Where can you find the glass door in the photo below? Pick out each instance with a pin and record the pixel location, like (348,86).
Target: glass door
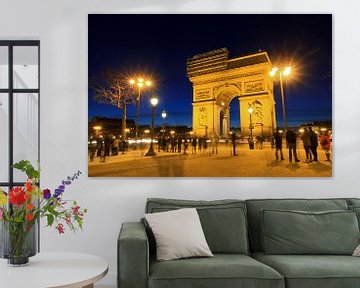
(19,108)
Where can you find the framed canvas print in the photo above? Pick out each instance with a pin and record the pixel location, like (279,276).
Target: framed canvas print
(210,95)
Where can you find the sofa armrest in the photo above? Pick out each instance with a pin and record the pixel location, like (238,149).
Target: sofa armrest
(133,256)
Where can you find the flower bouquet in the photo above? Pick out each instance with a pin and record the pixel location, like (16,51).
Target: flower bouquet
(21,208)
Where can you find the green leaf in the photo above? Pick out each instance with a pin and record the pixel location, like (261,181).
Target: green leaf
(28,168)
(50,219)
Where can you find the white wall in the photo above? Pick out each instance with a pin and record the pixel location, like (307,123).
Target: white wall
(62,28)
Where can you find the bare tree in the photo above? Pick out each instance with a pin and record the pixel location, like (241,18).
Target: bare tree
(112,88)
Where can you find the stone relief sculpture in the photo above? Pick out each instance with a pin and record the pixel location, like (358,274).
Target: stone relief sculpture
(258,114)
(203,116)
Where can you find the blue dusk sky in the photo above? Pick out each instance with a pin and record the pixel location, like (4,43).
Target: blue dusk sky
(157,46)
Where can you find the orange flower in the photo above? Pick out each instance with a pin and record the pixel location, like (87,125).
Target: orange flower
(27,196)
(29,206)
(29,217)
(29,186)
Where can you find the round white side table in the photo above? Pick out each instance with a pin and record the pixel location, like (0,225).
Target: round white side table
(50,270)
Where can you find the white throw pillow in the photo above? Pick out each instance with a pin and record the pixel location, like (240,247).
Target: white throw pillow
(178,234)
(357,251)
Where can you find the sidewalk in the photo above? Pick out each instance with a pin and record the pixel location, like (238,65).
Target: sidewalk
(247,163)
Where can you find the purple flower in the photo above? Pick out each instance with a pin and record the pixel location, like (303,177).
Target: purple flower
(68,181)
(46,194)
(58,192)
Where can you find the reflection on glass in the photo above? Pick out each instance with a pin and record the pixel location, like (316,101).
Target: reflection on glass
(4,67)
(4,137)
(26,67)
(26,131)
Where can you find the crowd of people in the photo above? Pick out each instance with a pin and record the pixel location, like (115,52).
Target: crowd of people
(310,140)
(182,144)
(109,145)
(106,146)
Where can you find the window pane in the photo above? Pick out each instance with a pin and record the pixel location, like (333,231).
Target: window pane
(4,67)
(26,67)
(5,189)
(4,137)
(26,131)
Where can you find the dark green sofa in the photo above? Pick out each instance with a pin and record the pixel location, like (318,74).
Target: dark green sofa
(233,231)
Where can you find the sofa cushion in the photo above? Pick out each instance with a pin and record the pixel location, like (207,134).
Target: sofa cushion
(223,221)
(254,216)
(222,270)
(297,232)
(178,234)
(314,271)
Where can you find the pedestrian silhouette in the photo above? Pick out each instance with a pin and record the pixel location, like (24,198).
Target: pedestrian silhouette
(314,143)
(278,145)
(291,140)
(233,140)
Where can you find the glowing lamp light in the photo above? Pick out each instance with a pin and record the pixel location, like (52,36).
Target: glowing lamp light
(251,110)
(163,114)
(97,127)
(140,80)
(140,84)
(172,132)
(273,71)
(132,81)
(301,130)
(154,101)
(148,83)
(287,71)
(323,129)
(147,131)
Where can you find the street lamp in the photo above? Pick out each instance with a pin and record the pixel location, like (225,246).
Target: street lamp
(163,115)
(140,84)
(251,110)
(251,127)
(154,101)
(284,73)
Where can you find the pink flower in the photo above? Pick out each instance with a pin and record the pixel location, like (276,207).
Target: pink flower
(1,212)
(68,219)
(76,210)
(60,228)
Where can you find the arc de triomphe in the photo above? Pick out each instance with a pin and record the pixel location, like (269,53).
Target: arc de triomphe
(217,80)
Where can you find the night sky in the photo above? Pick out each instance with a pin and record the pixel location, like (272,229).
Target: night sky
(157,46)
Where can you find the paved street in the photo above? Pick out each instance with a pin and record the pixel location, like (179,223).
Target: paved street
(247,163)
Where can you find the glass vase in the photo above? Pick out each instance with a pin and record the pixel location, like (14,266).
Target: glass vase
(18,242)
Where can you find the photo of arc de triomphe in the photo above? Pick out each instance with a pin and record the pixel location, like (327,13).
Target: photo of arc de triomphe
(217,80)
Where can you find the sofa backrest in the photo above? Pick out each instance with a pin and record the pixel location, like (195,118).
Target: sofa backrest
(353,202)
(256,205)
(223,221)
